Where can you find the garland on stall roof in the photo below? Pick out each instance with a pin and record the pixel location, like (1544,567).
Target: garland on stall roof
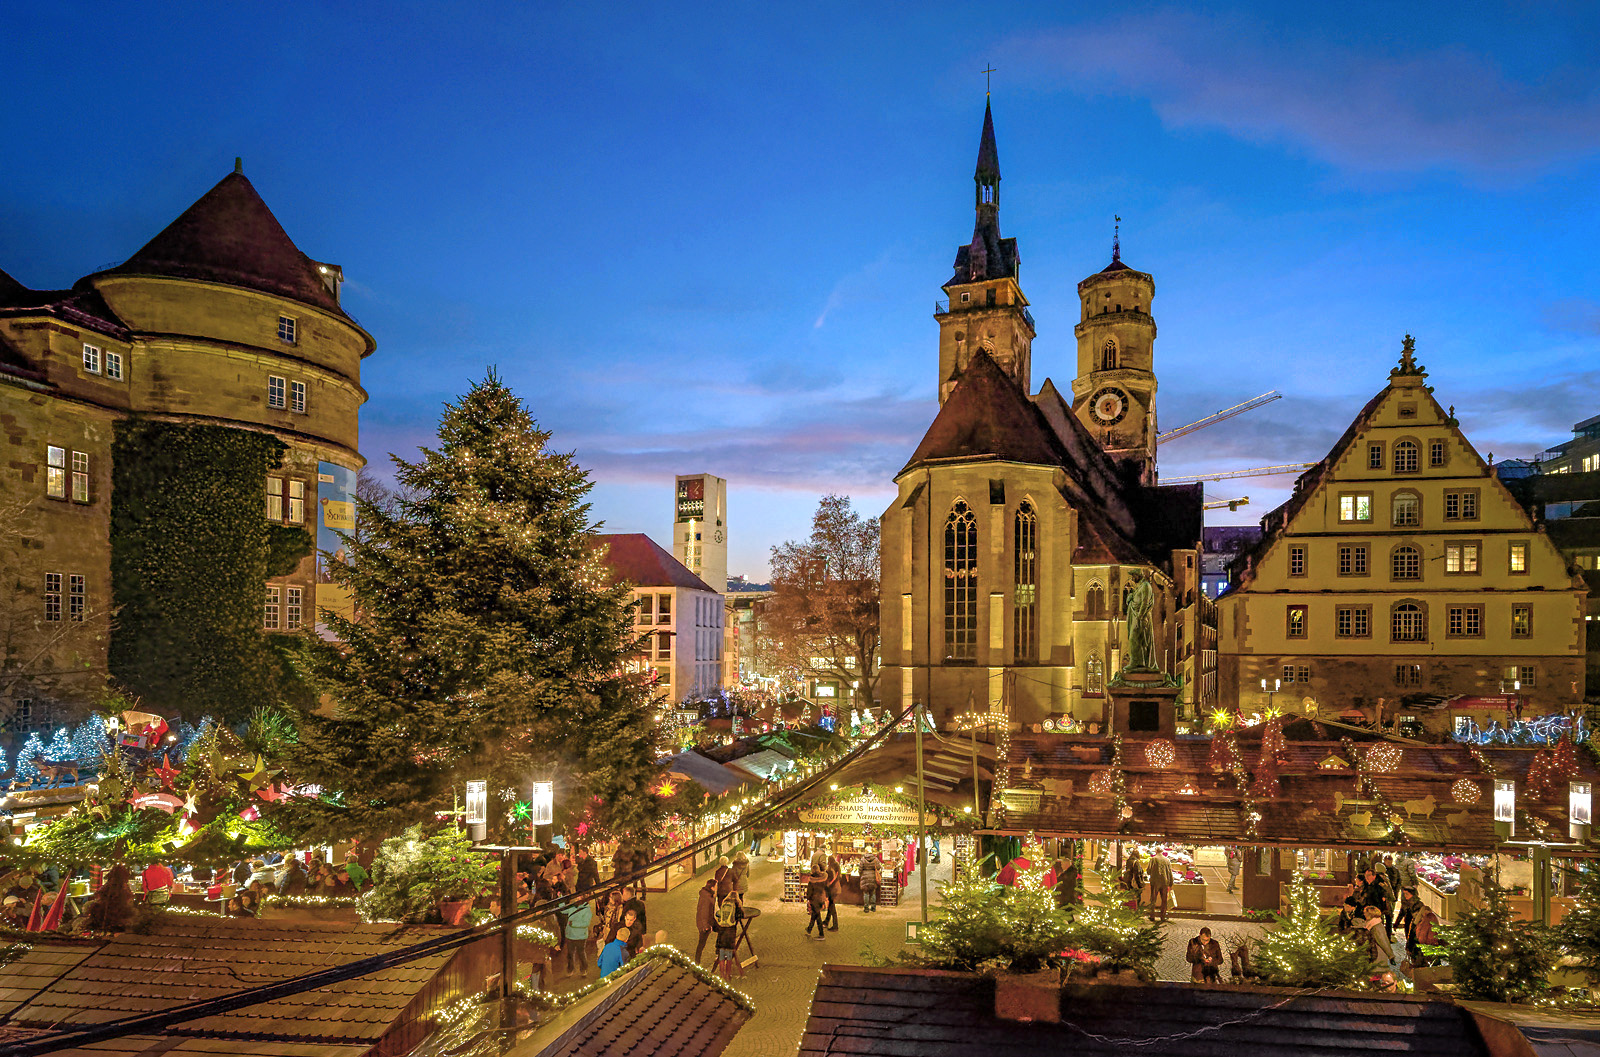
(1367,789)
(1241,780)
(1119,782)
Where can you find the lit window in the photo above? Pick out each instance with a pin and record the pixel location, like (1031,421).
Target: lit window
(274,498)
(77,595)
(1407,509)
(1352,559)
(1409,623)
(114,365)
(55,473)
(297,501)
(1094,674)
(1297,561)
(1297,622)
(1461,558)
(1406,564)
(286,329)
(275,391)
(1436,453)
(1591,463)
(1521,622)
(1521,676)
(91,359)
(52,596)
(961,583)
(291,608)
(80,477)
(269,616)
(297,397)
(1355,506)
(1405,456)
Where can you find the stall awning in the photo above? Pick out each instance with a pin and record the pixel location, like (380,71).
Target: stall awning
(715,778)
(764,764)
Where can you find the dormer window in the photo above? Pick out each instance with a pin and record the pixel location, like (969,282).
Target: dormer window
(966,298)
(91,359)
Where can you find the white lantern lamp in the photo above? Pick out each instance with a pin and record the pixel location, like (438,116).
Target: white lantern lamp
(543,811)
(1505,807)
(1580,809)
(477,811)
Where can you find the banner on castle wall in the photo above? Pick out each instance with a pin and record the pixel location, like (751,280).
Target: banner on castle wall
(336,513)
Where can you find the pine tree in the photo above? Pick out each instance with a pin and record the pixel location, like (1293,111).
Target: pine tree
(1305,950)
(60,746)
(27,758)
(1112,925)
(1580,928)
(1495,957)
(490,644)
(89,741)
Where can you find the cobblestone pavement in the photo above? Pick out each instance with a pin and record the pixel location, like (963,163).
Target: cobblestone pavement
(790,962)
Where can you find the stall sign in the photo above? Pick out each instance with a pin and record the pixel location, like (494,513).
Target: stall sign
(860,811)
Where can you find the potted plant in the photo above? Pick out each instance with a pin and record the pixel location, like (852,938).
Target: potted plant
(420,877)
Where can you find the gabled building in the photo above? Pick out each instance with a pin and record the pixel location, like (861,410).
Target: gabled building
(679,616)
(1024,518)
(1402,566)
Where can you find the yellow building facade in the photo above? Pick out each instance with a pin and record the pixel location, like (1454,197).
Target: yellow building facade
(1402,569)
(220,319)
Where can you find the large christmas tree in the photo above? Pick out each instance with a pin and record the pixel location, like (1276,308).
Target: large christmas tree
(490,644)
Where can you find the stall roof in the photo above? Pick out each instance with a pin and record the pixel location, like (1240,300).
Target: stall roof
(1049,793)
(716,778)
(765,764)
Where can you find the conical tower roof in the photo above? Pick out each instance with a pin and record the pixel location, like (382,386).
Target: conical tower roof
(988,153)
(230,236)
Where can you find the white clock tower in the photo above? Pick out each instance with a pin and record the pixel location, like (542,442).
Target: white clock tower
(700,527)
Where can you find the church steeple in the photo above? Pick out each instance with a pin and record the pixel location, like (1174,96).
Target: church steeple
(986,309)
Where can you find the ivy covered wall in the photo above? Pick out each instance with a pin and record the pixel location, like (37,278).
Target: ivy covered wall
(191,551)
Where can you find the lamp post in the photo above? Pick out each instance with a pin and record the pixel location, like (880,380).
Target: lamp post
(1580,804)
(1277,685)
(477,811)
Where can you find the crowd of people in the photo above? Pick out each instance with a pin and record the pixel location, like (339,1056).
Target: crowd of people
(1381,906)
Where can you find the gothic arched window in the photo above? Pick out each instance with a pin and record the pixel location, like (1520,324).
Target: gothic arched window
(1095,602)
(1025,586)
(1094,674)
(961,583)
(1108,355)
(1408,623)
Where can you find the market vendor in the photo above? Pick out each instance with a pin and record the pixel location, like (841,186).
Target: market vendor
(157,882)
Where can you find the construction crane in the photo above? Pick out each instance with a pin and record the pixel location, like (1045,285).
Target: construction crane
(1231,504)
(1258,471)
(1225,413)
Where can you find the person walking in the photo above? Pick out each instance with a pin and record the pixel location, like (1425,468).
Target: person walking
(835,888)
(1205,959)
(816,900)
(1160,885)
(871,877)
(578,921)
(705,915)
(1066,890)
(588,873)
(1231,854)
(1133,878)
(1377,939)
(741,874)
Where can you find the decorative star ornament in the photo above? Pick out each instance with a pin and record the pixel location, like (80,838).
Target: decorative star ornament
(166,772)
(522,811)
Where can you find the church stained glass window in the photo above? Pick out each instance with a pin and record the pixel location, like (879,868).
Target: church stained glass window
(1094,674)
(1025,589)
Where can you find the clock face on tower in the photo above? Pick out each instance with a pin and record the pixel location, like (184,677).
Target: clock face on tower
(1108,405)
(716,537)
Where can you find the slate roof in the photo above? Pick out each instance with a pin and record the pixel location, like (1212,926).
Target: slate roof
(659,1008)
(988,153)
(1314,808)
(196,957)
(988,416)
(716,778)
(931,1013)
(639,560)
(229,236)
(81,305)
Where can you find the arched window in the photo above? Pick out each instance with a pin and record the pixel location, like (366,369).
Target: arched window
(1094,674)
(1405,456)
(1408,622)
(1405,563)
(1025,588)
(1108,355)
(1406,508)
(961,583)
(1095,602)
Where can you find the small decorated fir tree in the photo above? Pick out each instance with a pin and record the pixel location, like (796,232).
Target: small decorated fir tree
(1580,929)
(1495,957)
(967,932)
(27,758)
(60,747)
(1113,926)
(89,741)
(1305,950)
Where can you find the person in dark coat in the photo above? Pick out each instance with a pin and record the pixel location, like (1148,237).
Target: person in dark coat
(588,870)
(705,915)
(1205,958)
(1066,888)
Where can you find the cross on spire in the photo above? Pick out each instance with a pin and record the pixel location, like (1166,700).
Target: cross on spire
(986,73)
(1116,238)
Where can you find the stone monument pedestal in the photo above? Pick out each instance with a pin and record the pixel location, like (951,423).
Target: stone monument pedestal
(1142,703)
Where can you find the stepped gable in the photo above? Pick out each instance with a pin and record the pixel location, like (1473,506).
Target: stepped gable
(230,237)
(935,1013)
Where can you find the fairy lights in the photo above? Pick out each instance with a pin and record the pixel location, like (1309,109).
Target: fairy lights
(1160,754)
(1465,791)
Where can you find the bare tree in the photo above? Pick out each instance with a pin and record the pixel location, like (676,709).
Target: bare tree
(822,617)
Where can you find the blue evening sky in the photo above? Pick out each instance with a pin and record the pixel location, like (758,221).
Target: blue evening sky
(707,237)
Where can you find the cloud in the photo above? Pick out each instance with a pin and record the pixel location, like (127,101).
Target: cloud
(1361,110)
(1574,315)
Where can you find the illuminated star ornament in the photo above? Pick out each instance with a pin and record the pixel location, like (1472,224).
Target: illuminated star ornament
(522,811)
(166,772)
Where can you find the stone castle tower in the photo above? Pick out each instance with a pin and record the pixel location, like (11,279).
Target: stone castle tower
(1114,394)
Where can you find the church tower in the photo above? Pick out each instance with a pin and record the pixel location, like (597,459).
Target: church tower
(1114,394)
(985,307)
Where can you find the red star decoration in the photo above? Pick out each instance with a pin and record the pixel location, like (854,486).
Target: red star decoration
(166,771)
(270,793)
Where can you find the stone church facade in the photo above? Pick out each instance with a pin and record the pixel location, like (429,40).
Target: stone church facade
(1024,517)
